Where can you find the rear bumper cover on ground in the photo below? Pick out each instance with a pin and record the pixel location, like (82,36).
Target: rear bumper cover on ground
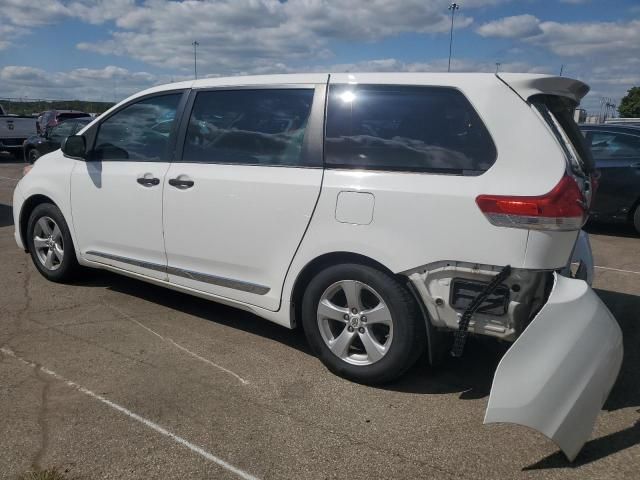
(558,373)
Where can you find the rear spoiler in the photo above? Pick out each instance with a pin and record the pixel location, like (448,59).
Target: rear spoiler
(527,85)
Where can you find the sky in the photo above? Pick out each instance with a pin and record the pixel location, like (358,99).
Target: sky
(108,49)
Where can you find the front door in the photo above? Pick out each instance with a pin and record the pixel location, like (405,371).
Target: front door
(238,203)
(116,194)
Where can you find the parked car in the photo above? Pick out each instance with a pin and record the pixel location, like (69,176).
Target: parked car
(616,150)
(387,214)
(37,145)
(51,118)
(14,129)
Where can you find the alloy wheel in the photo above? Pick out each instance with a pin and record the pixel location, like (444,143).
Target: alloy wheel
(355,322)
(48,243)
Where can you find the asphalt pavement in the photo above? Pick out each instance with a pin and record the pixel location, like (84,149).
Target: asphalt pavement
(115,378)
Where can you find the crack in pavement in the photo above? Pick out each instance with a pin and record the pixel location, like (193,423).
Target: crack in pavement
(42,416)
(170,341)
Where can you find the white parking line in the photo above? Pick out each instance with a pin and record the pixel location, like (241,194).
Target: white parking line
(177,345)
(152,425)
(618,270)
(9,178)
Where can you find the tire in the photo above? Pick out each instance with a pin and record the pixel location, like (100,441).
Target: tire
(398,332)
(50,244)
(33,155)
(636,219)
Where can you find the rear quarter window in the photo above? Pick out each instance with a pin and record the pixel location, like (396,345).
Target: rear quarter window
(405,128)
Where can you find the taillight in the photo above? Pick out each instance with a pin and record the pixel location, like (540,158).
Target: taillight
(563,208)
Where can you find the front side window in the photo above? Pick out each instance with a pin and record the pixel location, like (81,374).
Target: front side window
(61,131)
(405,128)
(250,127)
(138,132)
(605,145)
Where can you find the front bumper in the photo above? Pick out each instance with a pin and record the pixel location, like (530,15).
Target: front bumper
(558,373)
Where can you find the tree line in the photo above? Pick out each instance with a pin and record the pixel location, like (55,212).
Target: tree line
(33,107)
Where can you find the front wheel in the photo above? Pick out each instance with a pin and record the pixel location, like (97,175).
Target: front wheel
(33,155)
(362,323)
(50,244)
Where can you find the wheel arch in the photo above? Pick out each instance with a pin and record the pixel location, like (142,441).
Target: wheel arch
(27,207)
(436,341)
(318,264)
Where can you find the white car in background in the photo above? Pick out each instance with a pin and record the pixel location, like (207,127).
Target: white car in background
(384,213)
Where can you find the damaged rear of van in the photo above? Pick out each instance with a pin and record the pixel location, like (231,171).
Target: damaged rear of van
(492,207)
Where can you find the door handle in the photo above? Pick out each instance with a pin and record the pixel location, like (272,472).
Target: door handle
(148,181)
(180,183)
(635,165)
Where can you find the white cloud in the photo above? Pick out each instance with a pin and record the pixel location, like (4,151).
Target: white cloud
(606,55)
(109,83)
(519,26)
(240,35)
(584,38)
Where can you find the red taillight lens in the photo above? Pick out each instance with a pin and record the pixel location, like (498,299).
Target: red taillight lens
(562,208)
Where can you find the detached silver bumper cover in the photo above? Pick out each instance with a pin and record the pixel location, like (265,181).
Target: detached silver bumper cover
(558,373)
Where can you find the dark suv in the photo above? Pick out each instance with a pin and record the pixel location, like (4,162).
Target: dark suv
(616,150)
(37,145)
(51,118)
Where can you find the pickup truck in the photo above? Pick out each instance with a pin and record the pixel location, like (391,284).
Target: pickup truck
(14,130)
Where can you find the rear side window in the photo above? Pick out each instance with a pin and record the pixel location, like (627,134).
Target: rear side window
(405,128)
(249,127)
(65,116)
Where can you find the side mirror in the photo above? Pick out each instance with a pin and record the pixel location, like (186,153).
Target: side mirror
(74,146)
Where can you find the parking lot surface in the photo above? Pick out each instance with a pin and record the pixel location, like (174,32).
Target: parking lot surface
(115,378)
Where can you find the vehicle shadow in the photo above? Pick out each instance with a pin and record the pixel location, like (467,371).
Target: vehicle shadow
(470,375)
(625,393)
(6,215)
(8,157)
(198,307)
(612,229)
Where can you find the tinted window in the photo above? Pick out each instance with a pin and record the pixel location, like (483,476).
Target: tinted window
(80,124)
(133,133)
(63,130)
(254,127)
(428,129)
(614,145)
(65,116)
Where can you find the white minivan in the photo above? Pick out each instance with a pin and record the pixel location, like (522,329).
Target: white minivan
(385,213)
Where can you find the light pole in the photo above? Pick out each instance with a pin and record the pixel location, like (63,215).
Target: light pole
(195,58)
(561,69)
(498,66)
(453,7)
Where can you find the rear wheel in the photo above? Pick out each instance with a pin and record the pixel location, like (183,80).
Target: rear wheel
(50,244)
(362,323)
